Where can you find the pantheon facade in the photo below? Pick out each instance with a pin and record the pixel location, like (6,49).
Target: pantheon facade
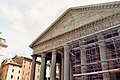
(84,41)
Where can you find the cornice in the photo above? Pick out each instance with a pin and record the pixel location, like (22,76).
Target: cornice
(98,6)
(90,7)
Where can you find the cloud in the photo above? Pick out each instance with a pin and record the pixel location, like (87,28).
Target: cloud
(19,28)
(11,13)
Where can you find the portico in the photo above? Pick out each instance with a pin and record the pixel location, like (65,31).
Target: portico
(77,40)
(55,56)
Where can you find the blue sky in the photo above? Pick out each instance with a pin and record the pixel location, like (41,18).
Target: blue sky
(21,21)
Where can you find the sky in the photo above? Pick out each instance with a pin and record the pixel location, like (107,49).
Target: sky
(22,21)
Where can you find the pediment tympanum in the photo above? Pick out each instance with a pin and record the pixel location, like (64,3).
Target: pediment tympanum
(76,17)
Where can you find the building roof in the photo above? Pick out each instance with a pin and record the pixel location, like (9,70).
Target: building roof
(31,60)
(24,58)
(14,64)
(10,62)
(70,11)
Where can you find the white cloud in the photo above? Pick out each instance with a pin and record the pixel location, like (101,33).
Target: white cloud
(19,28)
(11,13)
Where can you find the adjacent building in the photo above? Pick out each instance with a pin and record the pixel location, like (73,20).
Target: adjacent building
(26,67)
(18,68)
(84,41)
(10,70)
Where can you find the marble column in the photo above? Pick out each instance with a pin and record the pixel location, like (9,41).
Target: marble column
(62,67)
(71,69)
(42,69)
(66,63)
(32,77)
(83,59)
(53,65)
(103,58)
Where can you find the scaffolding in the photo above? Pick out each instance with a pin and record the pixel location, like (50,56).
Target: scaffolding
(97,66)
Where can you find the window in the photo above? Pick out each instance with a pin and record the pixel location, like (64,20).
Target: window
(30,63)
(11,76)
(19,71)
(24,66)
(23,72)
(12,70)
(18,78)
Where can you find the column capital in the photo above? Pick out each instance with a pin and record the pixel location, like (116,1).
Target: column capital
(66,46)
(34,55)
(43,55)
(54,51)
(100,36)
(81,41)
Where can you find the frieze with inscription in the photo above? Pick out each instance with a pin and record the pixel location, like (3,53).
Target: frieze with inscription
(75,34)
(75,19)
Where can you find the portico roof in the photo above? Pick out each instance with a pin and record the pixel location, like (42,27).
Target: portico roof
(76,17)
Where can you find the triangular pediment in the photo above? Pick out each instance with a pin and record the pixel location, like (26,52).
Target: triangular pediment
(76,17)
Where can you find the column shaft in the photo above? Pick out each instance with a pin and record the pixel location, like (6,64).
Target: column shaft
(83,57)
(71,69)
(103,58)
(42,70)
(62,68)
(83,61)
(32,77)
(53,66)
(66,63)
(104,63)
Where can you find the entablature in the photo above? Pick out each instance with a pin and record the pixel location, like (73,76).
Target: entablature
(79,33)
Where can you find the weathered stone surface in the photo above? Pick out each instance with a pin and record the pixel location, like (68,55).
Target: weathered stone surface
(70,25)
(77,34)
